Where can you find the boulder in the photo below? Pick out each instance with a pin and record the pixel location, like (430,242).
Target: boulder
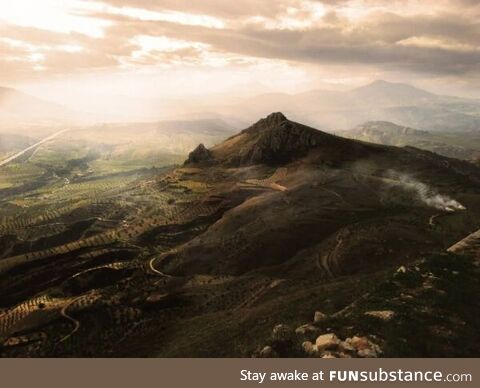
(268,352)
(319,316)
(358,342)
(329,355)
(327,341)
(383,315)
(309,348)
(156,297)
(367,353)
(307,330)
(364,347)
(346,347)
(199,155)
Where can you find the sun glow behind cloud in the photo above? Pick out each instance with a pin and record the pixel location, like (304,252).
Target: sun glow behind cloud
(176,47)
(305,15)
(169,16)
(51,15)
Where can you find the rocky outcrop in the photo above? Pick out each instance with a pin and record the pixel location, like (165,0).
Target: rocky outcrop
(278,141)
(330,346)
(319,317)
(199,155)
(383,315)
(326,342)
(272,120)
(284,343)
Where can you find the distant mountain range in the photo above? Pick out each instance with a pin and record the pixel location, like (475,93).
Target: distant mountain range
(327,110)
(403,104)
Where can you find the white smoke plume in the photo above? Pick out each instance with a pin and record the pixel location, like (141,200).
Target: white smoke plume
(425,193)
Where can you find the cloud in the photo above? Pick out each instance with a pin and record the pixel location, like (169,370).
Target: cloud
(387,41)
(227,9)
(430,38)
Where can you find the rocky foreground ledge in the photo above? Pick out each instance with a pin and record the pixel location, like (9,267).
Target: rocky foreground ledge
(326,345)
(423,309)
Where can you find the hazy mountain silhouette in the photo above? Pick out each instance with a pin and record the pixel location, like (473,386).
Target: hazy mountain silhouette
(18,108)
(381,100)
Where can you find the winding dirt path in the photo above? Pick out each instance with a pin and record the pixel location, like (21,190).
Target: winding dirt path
(76,323)
(323,261)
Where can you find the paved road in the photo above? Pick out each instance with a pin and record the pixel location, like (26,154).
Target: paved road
(18,154)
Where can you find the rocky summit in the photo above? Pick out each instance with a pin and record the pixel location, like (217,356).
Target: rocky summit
(199,155)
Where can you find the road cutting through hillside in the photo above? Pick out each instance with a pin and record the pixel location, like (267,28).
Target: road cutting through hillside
(33,146)
(153,269)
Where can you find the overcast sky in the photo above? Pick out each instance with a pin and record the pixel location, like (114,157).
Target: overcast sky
(65,50)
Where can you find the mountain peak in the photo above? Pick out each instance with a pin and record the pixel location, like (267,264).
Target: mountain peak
(380,82)
(383,83)
(275,140)
(273,120)
(382,86)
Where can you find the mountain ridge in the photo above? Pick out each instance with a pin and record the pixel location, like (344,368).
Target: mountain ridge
(275,140)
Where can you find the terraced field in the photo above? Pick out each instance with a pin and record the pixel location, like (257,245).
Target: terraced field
(146,215)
